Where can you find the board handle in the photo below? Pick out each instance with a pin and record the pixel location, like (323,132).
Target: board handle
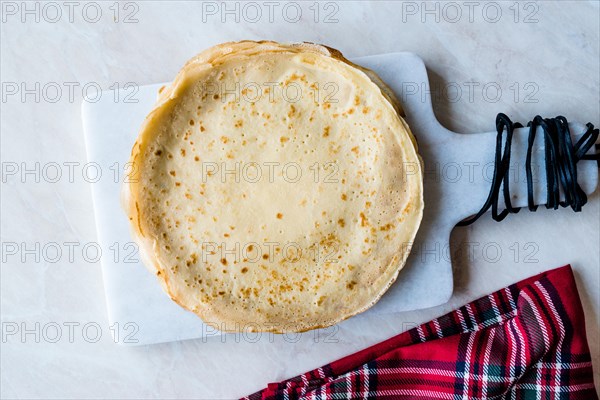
(561,156)
(467,164)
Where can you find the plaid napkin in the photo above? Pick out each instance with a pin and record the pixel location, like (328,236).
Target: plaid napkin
(526,341)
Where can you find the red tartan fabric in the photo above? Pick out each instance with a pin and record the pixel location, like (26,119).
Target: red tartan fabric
(526,341)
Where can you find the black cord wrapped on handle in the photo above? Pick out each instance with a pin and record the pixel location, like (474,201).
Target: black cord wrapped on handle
(561,158)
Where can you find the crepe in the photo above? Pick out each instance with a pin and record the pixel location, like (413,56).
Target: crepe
(274,187)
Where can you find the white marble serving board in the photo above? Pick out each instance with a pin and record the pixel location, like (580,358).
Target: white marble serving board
(458,168)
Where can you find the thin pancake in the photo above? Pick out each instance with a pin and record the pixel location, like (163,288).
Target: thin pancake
(274,187)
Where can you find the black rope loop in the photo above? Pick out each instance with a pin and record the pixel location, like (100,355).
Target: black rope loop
(561,158)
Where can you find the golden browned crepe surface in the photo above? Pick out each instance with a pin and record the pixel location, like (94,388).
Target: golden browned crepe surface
(274,187)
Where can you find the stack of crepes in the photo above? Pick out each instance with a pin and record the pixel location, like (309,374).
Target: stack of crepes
(274,187)
(526,341)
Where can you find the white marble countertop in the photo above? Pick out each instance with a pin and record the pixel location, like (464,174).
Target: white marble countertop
(542,56)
